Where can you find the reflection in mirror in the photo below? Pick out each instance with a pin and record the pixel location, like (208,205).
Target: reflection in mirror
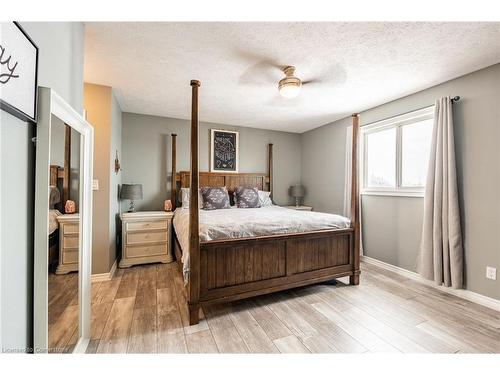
(63,242)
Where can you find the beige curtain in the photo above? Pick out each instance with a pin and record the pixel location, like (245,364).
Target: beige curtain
(441,253)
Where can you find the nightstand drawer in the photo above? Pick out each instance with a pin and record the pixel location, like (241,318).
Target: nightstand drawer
(138,225)
(146,251)
(140,238)
(70,256)
(71,228)
(70,242)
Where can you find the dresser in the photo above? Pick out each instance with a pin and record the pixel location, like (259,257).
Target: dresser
(69,227)
(146,237)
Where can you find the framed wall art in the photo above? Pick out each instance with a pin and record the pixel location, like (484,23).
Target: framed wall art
(18,72)
(224,151)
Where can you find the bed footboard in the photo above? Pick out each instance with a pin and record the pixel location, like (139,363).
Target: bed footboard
(235,269)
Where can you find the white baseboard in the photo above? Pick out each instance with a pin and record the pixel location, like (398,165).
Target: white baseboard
(98,277)
(462,293)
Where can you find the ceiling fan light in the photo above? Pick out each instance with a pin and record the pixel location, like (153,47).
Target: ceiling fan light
(289,87)
(289,91)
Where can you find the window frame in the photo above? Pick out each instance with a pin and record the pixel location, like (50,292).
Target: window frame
(396,122)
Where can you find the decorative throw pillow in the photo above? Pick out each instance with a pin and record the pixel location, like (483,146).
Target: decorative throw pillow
(185,196)
(246,197)
(215,198)
(54,196)
(265,199)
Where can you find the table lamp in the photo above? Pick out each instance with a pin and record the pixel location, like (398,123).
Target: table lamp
(132,192)
(297,191)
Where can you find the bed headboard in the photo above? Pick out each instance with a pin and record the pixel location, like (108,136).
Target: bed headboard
(56,172)
(230,180)
(262,181)
(58,179)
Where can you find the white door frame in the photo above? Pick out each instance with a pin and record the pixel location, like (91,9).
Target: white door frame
(49,103)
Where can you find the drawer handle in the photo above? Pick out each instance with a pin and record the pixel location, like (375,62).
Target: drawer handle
(146,225)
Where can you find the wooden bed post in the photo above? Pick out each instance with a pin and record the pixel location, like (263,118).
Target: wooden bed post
(67,167)
(270,169)
(173,193)
(354,279)
(194,233)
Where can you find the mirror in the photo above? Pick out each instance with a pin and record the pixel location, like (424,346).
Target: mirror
(63,251)
(63,210)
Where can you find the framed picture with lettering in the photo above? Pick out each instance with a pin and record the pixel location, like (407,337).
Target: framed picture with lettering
(18,72)
(224,151)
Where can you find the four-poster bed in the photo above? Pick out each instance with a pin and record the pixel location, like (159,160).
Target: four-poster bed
(235,268)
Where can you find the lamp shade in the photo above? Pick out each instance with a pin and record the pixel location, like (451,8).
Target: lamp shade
(297,191)
(131,191)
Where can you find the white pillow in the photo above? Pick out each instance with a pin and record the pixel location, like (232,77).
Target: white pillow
(185,198)
(265,199)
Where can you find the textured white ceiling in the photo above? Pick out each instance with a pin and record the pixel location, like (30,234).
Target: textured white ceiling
(361,65)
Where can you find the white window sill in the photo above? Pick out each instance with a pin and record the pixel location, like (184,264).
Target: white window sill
(394,193)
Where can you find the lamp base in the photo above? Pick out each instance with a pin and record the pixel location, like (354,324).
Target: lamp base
(297,202)
(131,207)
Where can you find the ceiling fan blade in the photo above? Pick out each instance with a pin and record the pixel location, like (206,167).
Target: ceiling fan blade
(334,75)
(262,72)
(312,81)
(261,69)
(255,58)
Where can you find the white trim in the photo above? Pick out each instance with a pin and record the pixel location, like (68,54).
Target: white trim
(98,277)
(404,119)
(392,193)
(461,293)
(52,104)
(397,123)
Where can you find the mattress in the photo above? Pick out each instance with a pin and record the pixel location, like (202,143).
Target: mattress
(250,222)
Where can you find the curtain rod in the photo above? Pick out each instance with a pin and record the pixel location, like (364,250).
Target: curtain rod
(453,99)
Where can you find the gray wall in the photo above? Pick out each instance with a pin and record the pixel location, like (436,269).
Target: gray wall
(60,67)
(57,142)
(392,225)
(147,155)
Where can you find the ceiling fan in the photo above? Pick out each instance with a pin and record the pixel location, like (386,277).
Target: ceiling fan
(264,72)
(289,87)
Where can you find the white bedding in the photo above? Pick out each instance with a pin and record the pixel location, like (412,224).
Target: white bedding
(53,223)
(250,222)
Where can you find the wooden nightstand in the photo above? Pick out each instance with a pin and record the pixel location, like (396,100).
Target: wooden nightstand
(146,237)
(69,240)
(299,208)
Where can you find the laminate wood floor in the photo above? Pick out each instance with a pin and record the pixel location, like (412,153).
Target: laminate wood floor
(62,312)
(143,310)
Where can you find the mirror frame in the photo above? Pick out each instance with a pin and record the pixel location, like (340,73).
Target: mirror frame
(49,103)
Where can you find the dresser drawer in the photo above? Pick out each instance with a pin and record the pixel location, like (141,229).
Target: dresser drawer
(70,242)
(152,224)
(70,256)
(140,238)
(71,228)
(146,251)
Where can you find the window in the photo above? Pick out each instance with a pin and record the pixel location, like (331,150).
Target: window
(396,154)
